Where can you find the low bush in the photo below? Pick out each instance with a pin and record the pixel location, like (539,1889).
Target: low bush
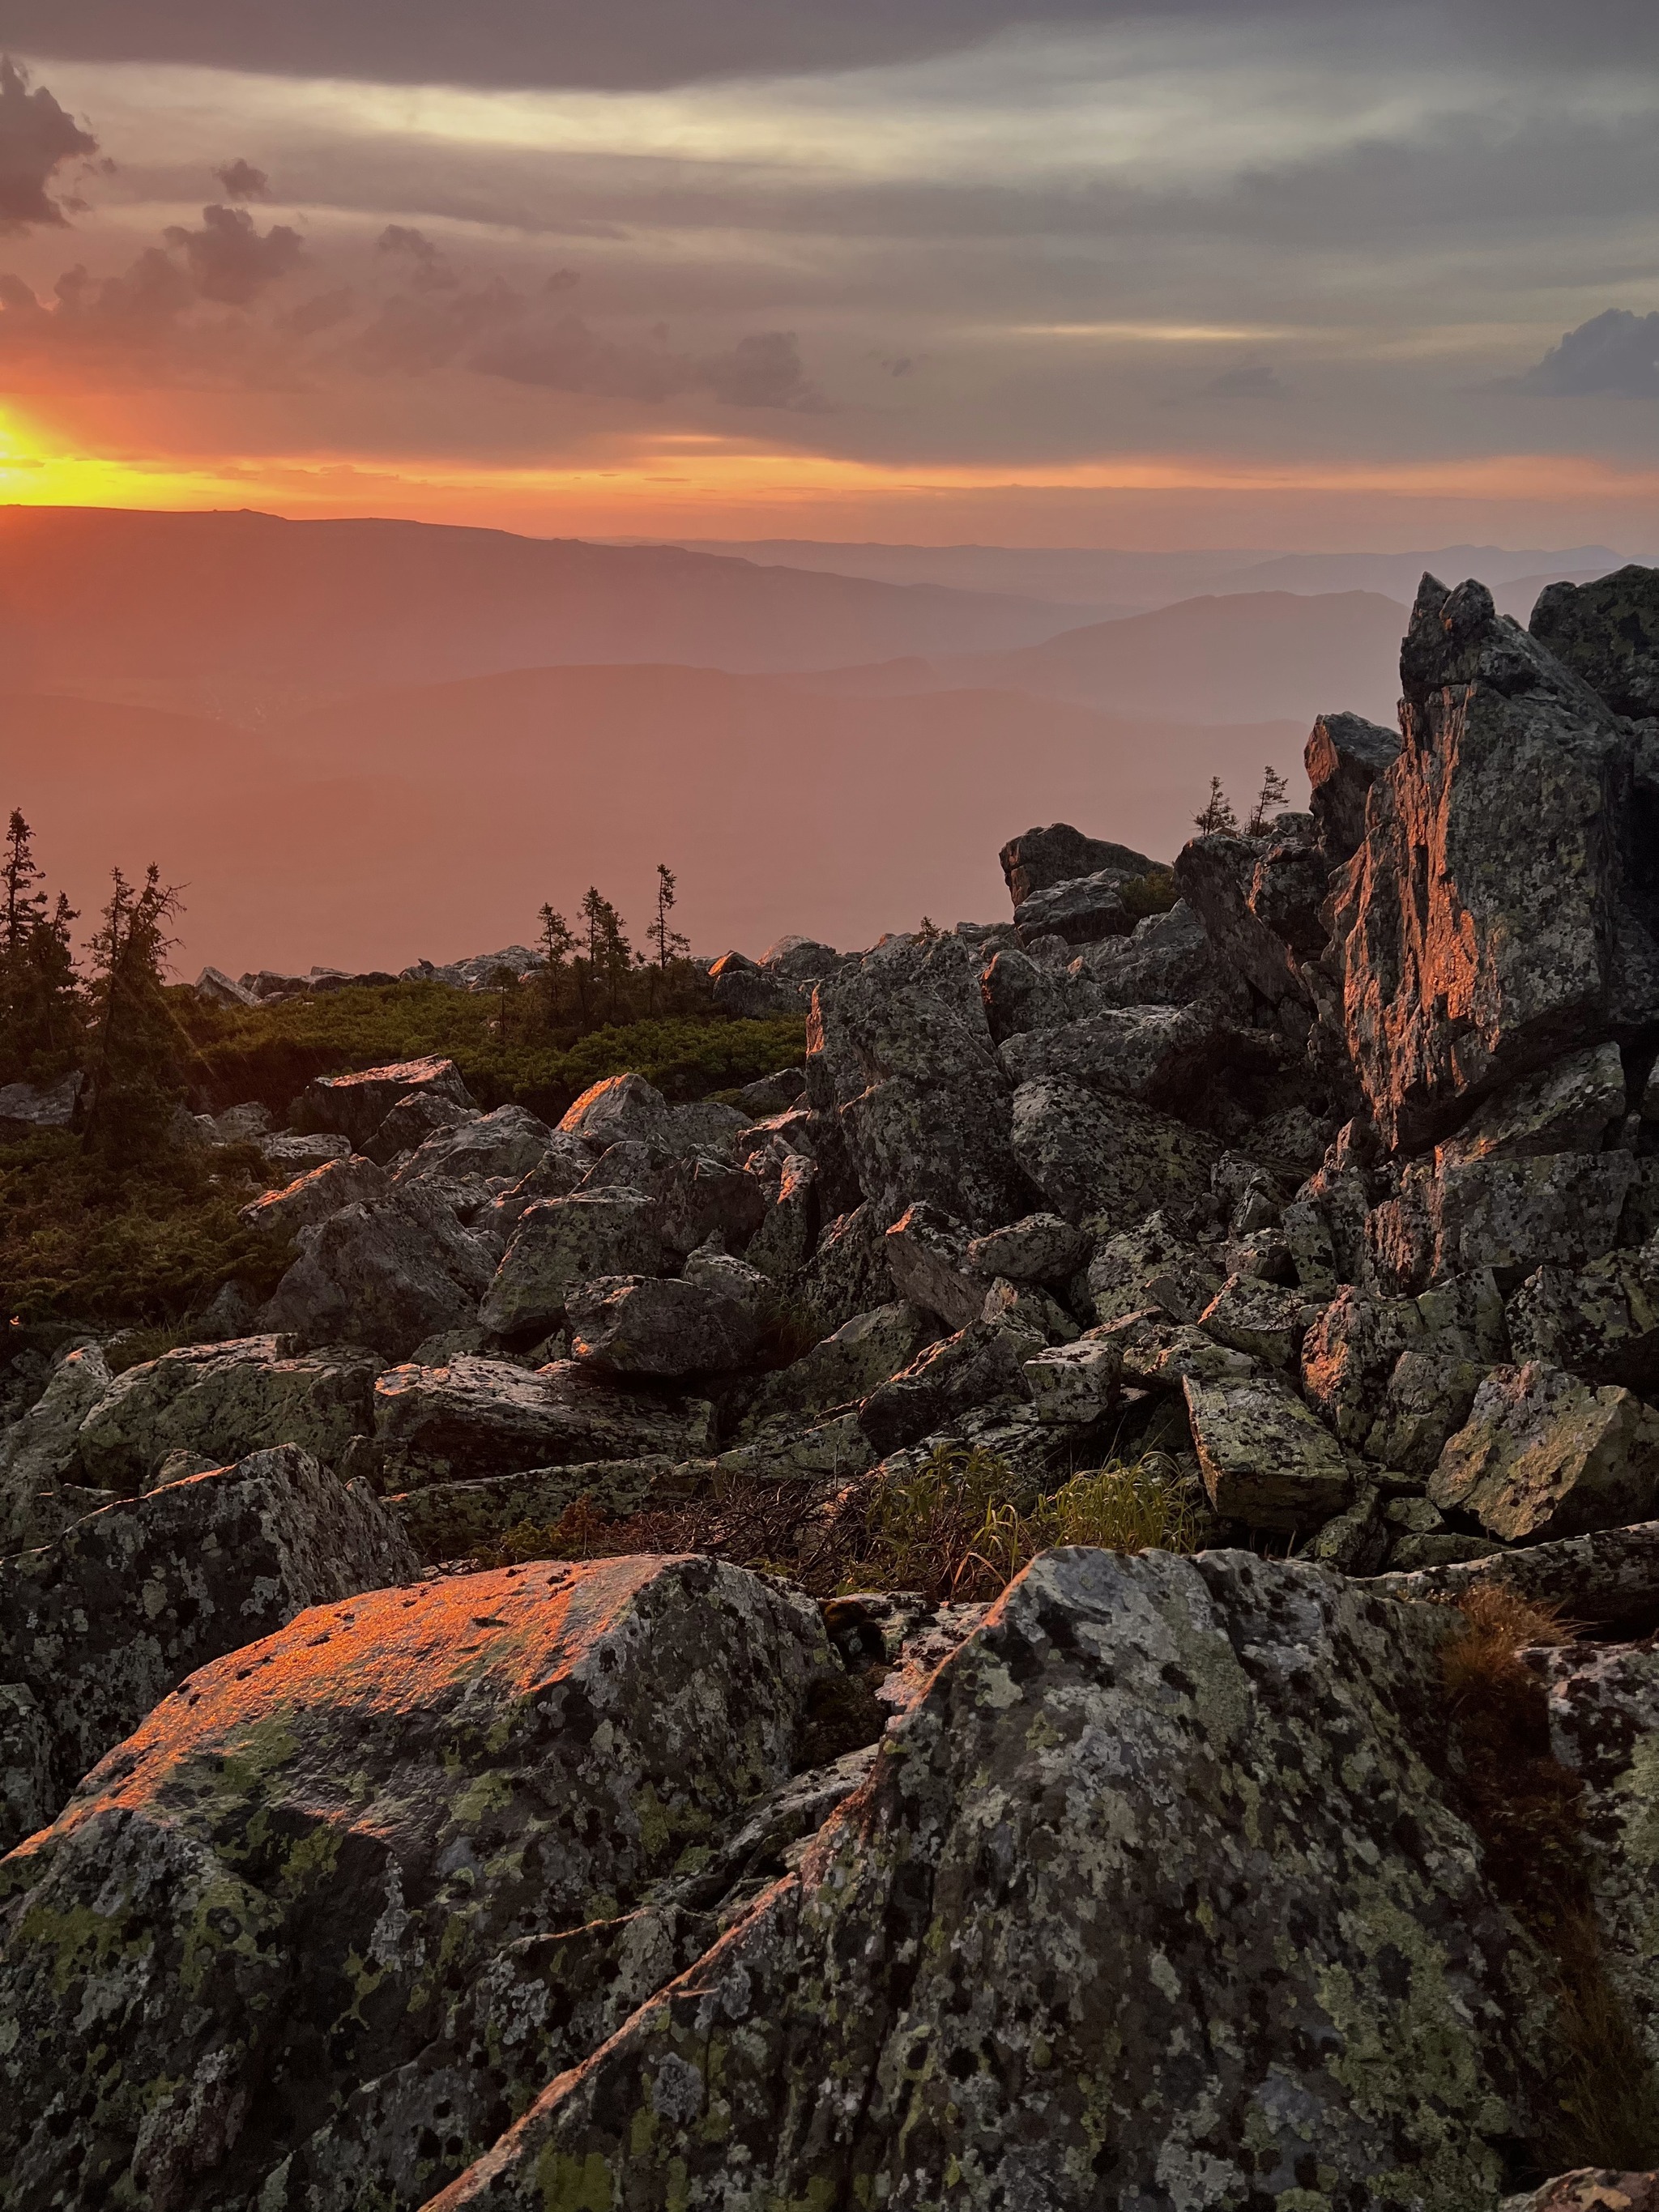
(151,1243)
(960,1526)
(271,1053)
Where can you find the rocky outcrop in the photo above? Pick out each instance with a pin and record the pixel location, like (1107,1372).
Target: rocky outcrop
(1494,918)
(898,1049)
(562,1243)
(1345,755)
(645,1325)
(43,1483)
(301,1975)
(1053,1860)
(1546,1455)
(1059,855)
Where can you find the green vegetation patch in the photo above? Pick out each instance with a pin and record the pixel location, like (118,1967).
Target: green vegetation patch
(147,1244)
(271,1053)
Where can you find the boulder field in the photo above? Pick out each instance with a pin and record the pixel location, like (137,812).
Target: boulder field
(361,1861)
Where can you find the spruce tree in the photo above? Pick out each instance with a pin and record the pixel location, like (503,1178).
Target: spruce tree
(557,943)
(1217,817)
(1270,800)
(40,1008)
(667,944)
(134,1073)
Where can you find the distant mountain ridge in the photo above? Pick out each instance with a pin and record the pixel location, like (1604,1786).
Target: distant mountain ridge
(246,616)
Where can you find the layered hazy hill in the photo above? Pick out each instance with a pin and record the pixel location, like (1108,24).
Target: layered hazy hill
(431,820)
(244,614)
(359,743)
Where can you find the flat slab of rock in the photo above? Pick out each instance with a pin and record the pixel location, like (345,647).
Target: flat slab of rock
(312,1197)
(1041,1248)
(928,1257)
(1607,1580)
(1264,1319)
(1158,1054)
(1266,1460)
(223,1401)
(1107,1725)
(480,1417)
(101,1623)
(453,1520)
(1075,1384)
(260,1884)
(1543,1453)
(354,1106)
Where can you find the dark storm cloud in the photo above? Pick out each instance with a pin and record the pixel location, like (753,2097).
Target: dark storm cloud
(36,138)
(1615,352)
(652,43)
(230,259)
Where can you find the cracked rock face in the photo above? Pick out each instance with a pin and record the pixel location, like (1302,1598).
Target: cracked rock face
(1121,1917)
(1490,923)
(380,1861)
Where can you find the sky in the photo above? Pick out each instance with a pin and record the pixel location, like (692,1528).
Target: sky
(1021,271)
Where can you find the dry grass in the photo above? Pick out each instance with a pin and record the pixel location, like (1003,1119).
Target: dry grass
(960,1526)
(1524,1805)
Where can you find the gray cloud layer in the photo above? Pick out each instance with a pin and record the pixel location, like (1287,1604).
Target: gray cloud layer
(1616,352)
(634,43)
(36,139)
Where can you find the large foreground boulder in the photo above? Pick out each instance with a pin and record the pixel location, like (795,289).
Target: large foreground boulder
(99,1625)
(1123,1917)
(349,1902)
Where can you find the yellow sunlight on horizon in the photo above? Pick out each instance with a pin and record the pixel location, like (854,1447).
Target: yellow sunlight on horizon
(695,477)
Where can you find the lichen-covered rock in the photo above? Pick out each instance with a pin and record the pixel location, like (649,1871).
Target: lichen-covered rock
(1607,632)
(1260,900)
(1027,1306)
(417,1115)
(1574,1105)
(695,1195)
(899,1047)
(40,1454)
(980,1366)
(1591,2189)
(1041,1248)
(1396,1377)
(1169,961)
(928,1258)
(102,1622)
(561,1242)
(1604,1727)
(375,1274)
(354,1106)
(509,1142)
(1158,1054)
(1150,1266)
(1059,855)
(1264,1319)
(783,1244)
(312,1197)
(1491,921)
(1075,1385)
(849,1273)
(1108,1159)
(479,1417)
(325,1900)
(1122,1917)
(845,1367)
(1082,910)
(1601,1322)
(1159,1354)
(224,1400)
(657,1325)
(1607,1581)
(618,1110)
(1344,756)
(1266,1460)
(1508,1214)
(1546,1455)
